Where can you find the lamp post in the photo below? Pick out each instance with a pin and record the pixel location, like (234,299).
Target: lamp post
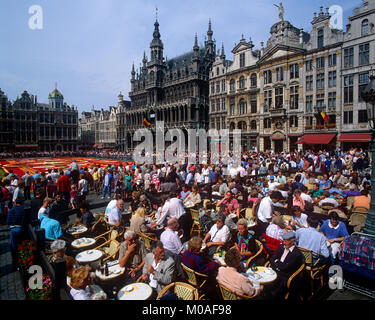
(369,96)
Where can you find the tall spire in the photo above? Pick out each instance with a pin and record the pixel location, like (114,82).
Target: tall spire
(210,45)
(196,48)
(209,32)
(222,51)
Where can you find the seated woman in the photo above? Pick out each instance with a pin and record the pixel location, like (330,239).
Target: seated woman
(85,216)
(80,283)
(299,219)
(71,264)
(137,222)
(297,200)
(335,232)
(194,197)
(277,228)
(58,248)
(245,242)
(194,259)
(232,279)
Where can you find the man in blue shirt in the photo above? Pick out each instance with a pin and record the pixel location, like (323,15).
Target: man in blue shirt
(107,184)
(335,232)
(311,239)
(52,227)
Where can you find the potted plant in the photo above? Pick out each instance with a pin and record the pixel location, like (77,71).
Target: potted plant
(43,293)
(25,258)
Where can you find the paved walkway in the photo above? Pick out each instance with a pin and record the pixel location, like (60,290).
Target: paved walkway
(10,280)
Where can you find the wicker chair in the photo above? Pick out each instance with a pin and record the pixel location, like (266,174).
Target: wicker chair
(109,249)
(228,294)
(196,226)
(183,291)
(292,280)
(256,255)
(196,279)
(312,268)
(326,207)
(148,239)
(99,227)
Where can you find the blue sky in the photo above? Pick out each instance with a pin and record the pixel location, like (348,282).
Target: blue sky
(88,46)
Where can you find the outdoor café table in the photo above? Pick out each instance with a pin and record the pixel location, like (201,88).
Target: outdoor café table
(251,223)
(114,270)
(82,243)
(135,291)
(76,231)
(90,257)
(263,275)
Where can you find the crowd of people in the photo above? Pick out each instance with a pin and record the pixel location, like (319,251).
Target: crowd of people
(160,199)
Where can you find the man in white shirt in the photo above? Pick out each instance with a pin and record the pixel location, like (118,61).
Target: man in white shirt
(217,236)
(266,209)
(305,196)
(115,214)
(170,238)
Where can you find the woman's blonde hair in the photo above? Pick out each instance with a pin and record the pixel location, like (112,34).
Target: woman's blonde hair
(195,244)
(140,212)
(136,194)
(47,200)
(78,276)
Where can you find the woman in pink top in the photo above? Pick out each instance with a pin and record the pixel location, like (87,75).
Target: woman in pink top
(230,278)
(297,200)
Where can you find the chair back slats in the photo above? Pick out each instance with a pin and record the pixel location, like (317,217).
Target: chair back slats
(184,292)
(307,256)
(226,293)
(191,278)
(113,246)
(195,215)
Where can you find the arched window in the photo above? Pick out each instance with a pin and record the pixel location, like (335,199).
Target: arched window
(232,126)
(243,107)
(253,80)
(152,76)
(242,125)
(242,82)
(364,31)
(232,85)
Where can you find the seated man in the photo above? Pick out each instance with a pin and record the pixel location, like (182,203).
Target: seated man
(171,241)
(115,216)
(217,236)
(132,254)
(335,232)
(231,203)
(232,279)
(52,227)
(287,259)
(184,192)
(311,239)
(316,192)
(328,200)
(85,216)
(158,269)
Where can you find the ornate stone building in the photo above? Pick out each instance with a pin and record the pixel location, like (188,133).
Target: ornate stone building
(243,93)
(27,125)
(174,91)
(297,76)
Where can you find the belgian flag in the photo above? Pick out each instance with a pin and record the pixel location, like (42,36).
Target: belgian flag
(324,116)
(146,123)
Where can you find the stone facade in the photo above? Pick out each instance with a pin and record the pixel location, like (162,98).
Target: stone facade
(174,91)
(31,126)
(276,95)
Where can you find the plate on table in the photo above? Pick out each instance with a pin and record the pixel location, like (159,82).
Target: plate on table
(116,271)
(129,288)
(269,271)
(90,252)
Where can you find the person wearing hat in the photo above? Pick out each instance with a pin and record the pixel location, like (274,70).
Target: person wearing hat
(287,259)
(58,248)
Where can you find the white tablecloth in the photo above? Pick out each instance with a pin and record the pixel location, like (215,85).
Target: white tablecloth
(87,242)
(89,256)
(141,291)
(114,272)
(261,276)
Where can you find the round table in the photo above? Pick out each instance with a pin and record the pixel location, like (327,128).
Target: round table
(261,276)
(74,231)
(90,257)
(140,291)
(114,271)
(83,243)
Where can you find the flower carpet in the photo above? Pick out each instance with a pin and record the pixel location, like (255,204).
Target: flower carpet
(19,166)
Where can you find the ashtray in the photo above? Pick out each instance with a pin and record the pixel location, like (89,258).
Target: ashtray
(129,288)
